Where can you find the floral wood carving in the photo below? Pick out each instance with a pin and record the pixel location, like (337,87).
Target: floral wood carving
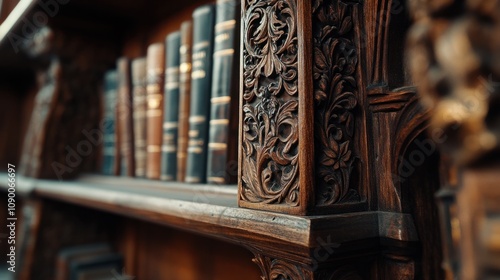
(335,93)
(275,269)
(270,103)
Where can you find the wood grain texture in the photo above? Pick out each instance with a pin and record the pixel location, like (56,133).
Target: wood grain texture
(171,254)
(270,160)
(212,211)
(335,61)
(328,118)
(276,268)
(299,100)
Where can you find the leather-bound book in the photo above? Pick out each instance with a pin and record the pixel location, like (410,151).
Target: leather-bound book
(184,97)
(223,149)
(125,118)
(171,108)
(140,107)
(201,81)
(110,149)
(68,255)
(154,114)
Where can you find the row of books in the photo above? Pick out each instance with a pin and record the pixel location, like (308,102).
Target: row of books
(176,109)
(97,261)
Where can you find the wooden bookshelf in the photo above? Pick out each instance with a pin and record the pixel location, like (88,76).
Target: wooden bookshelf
(204,209)
(336,179)
(297,234)
(212,211)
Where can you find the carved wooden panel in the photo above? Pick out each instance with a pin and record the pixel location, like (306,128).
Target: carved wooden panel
(270,138)
(336,96)
(274,269)
(280,269)
(300,95)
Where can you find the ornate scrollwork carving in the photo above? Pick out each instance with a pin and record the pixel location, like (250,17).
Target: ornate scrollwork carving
(275,269)
(270,103)
(335,92)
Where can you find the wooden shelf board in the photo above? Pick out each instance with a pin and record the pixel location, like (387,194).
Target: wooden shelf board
(15,18)
(10,60)
(204,209)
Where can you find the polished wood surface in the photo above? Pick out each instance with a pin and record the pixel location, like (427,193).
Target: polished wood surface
(329,119)
(211,210)
(346,134)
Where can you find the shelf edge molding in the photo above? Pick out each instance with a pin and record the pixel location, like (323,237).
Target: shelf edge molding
(211,211)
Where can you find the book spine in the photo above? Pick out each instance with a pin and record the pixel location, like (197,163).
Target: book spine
(154,114)
(125,118)
(171,108)
(184,97)
(109,151)
(140,108)
(201,80)
(222,149)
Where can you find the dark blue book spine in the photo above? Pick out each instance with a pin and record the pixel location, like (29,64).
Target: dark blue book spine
(171,107)
(222,148)
(109,152)
(201,81)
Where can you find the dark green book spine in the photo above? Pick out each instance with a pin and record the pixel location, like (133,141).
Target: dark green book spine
(171,108)
(109,151)
(201,81)
(222,149)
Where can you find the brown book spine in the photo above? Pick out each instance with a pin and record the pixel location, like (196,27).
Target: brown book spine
(140,107)
(125,117)
(154,114)
(184,97)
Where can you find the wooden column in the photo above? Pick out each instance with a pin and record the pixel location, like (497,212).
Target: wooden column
(328,119)
(302,133)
